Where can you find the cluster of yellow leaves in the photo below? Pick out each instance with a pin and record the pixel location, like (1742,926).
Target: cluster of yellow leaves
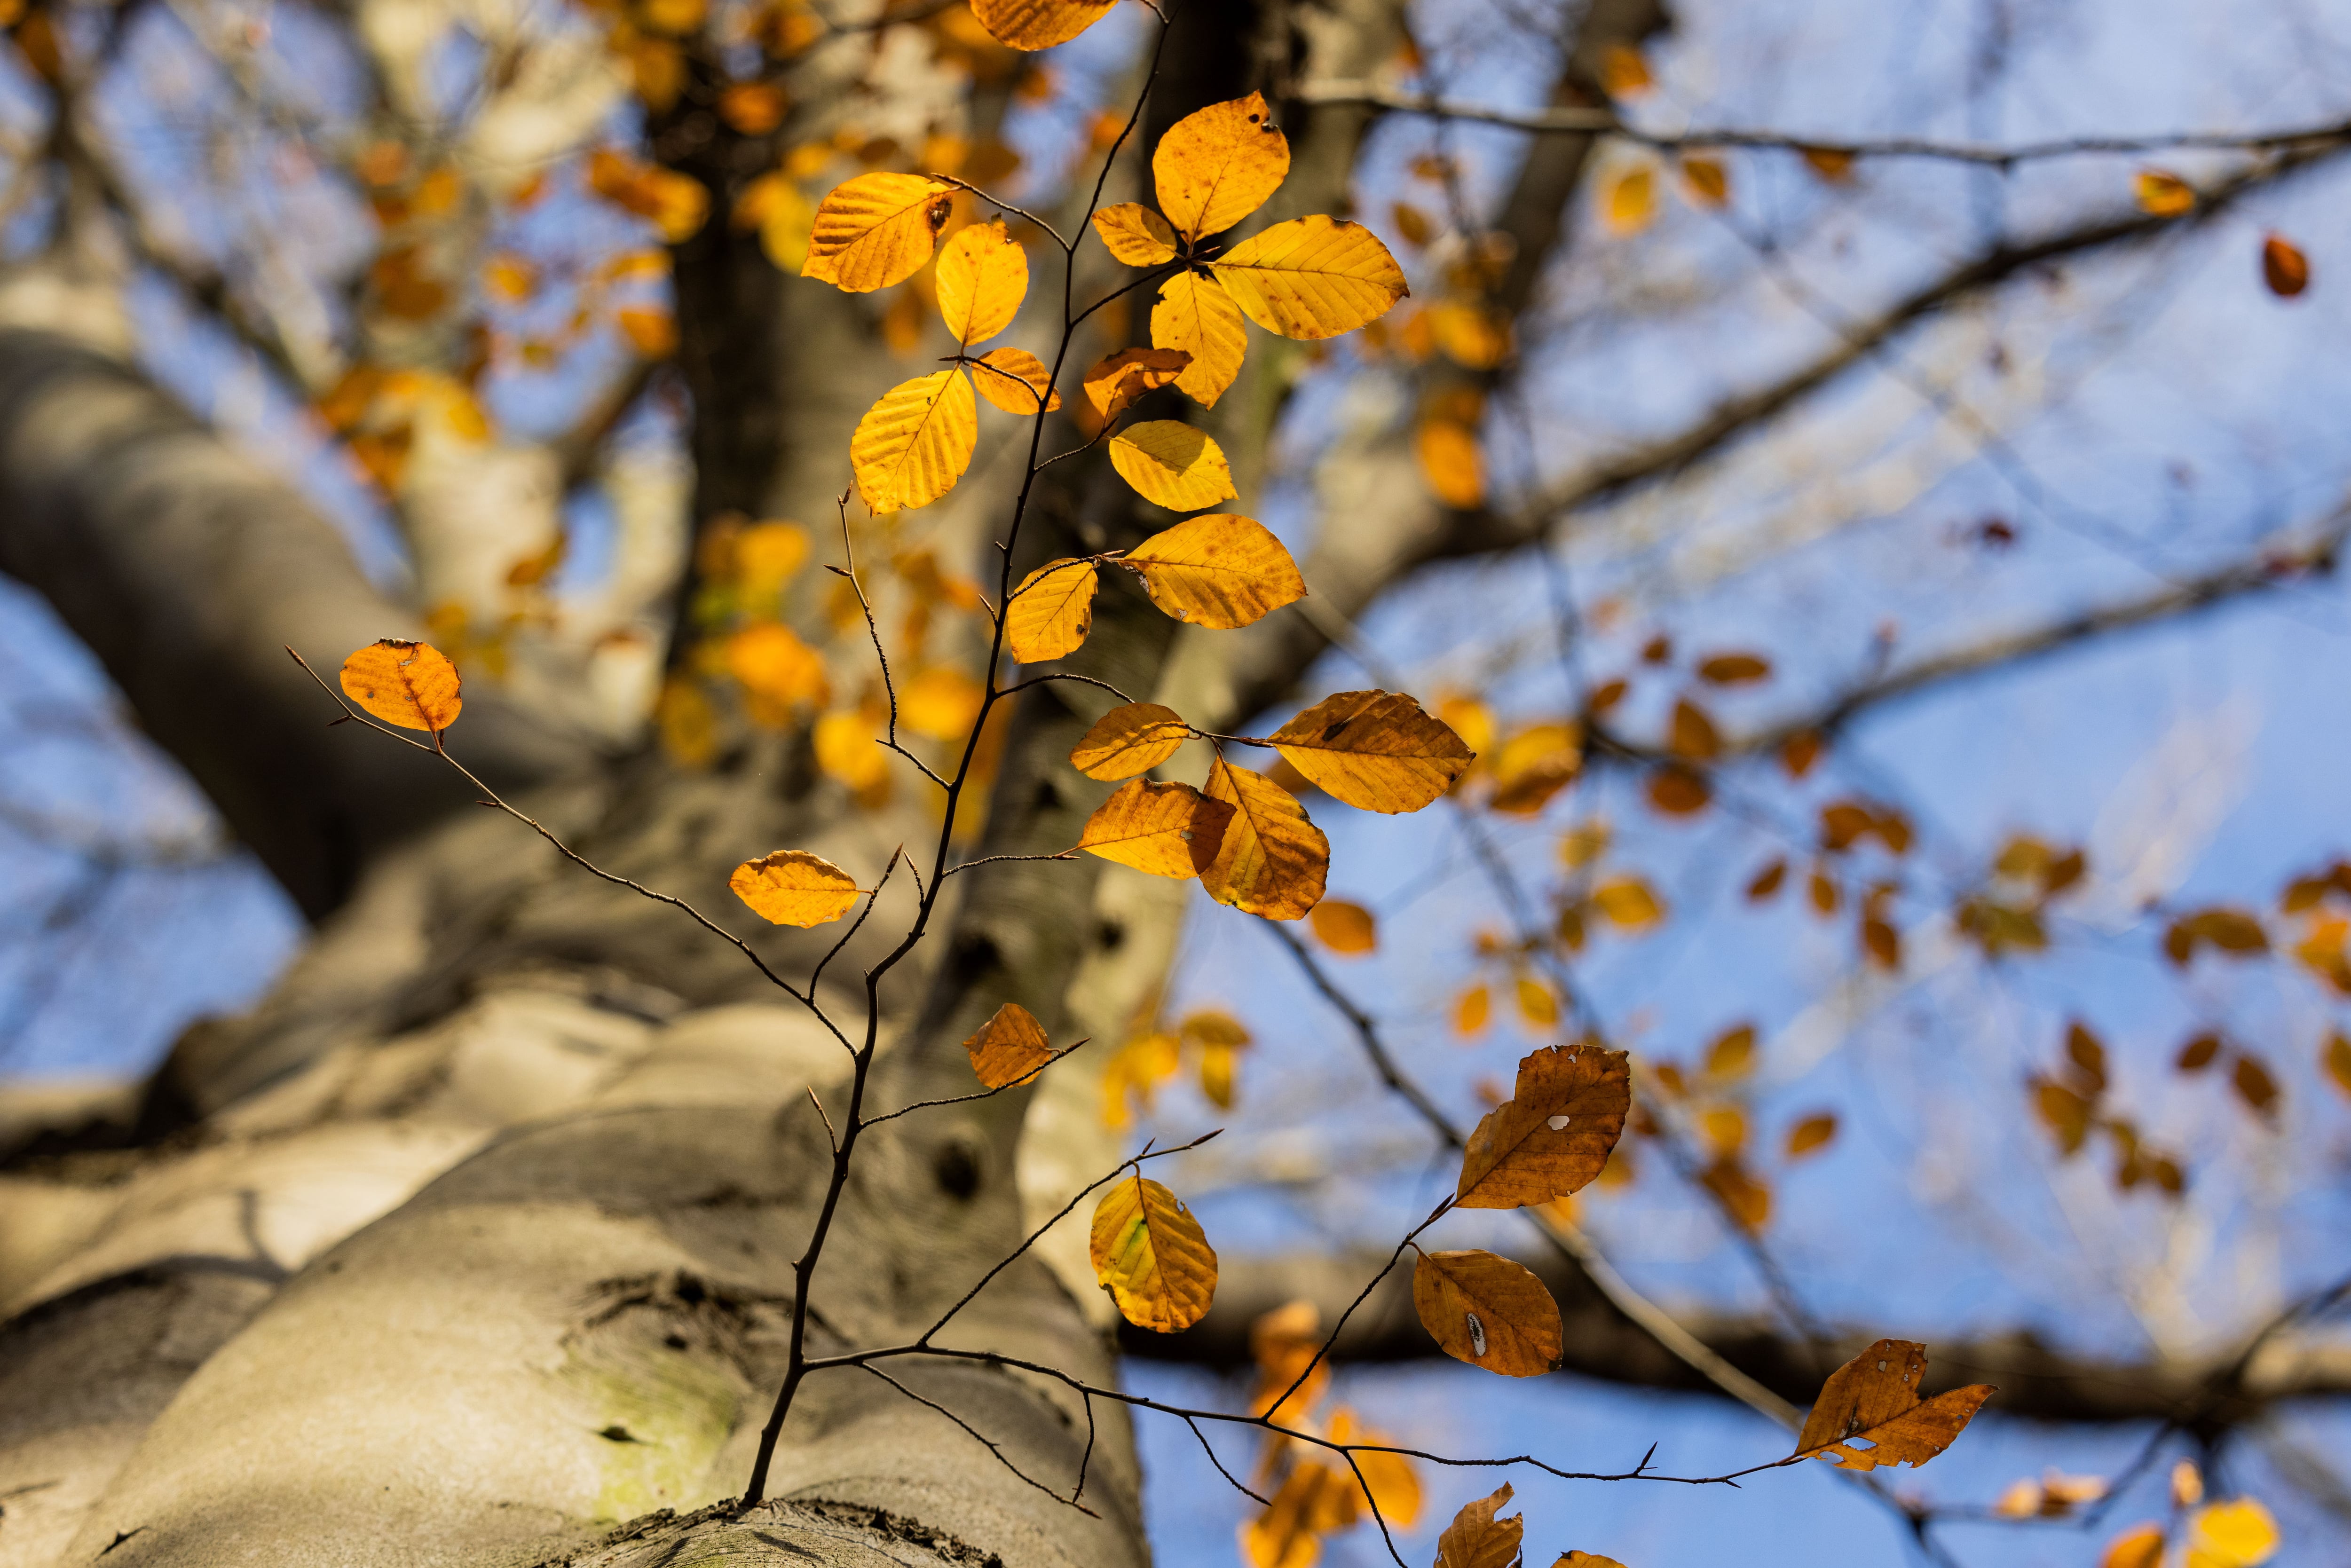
(1315,1491)
(381,414)
(2069,1104)
(676,204)
(1152,1055)
(2236,1533)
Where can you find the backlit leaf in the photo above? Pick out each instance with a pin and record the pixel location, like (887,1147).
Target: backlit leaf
(1221,570)
(1344,927)
(793,887)
(1038,24)
(876,230)
(1195,315)
(1013,379)
(1217,165)
(1314,276)
(411,685)
(1167,829)
(1117,380)
(1487,1311)
(1629,902)
(941,703)
(1628,200)
(1585,1560)
(1375,750)
(1171,465)
(1136,235)
(982,278)
(1471,1010)
(1553,1135)
(1534,765)
(1272,860)
(1872,1400)
(1008,1046)
(1474,337)
(1622,72)
(2284,267)
(1476,1539)
(1132,738)
(2239,1533)
(1451,461)
(1812,1133)
(1052,612)
(1536,1004)
(1152,1255)
(1744,1198)
(1389,1480)
(1834,164)
(2162,194)
(914,444)
(779,673)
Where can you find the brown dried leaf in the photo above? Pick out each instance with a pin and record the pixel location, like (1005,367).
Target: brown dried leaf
(1874,1400)
(1487,1311)
(1553,1135)
(876,230)
(1476,1539)
(1010,1047)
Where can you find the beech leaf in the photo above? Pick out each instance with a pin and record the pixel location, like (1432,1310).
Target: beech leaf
(1375,750)
(793,887)
(1010,1047)
(1553,1135)
(914,444)
(1167,829)
(411,685)
(1117,380)
(1051,611)
(1272,860)
(1311,277)
(1014,379)
(1129,739)
(982,278)
(1344,927)
(1136,235)
(1217,165)
(1038,24)
(876,230)
(1476,1539)
(1487,1311)
(1873,1399)
(1195,315)
(1171,465)
(1153,1258)
(1221,570)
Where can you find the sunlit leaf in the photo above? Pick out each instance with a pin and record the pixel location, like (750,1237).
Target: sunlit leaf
(1171,465)
(1810,1134)
(1152,1255)
(1010,1047)
(1116,381)
(1731,669)
(942,703)
(1873,1401)
(1167,829)
(1014,379)
(1628,200)
(1389,1480)
(1038,24)
(1220,571)
(2239,1533)
(1622,72)
(1375,750)
(2186,1484)
(1487,1311)
(1132,738)
(2284,267)
(1315,1499)
(1136,235)
(1553,1135)
(1742,1195)
(411,685)
(1834,164)
(1052,612)
(914,444)
(1272,860)
(1196,316)
(780,673)
(1310,278)
(982,277)
(1476,1539)
(793,887)
(2163,194)
(876,230)
(1451,461)
(1474,337)
(1629,902)
(1343,927)
(1217,165)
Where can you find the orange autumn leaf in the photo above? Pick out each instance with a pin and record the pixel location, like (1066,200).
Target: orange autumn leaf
(915,442)
(1038,24)
(1051,611)
(1015,380)
(1167,829)
(1487,1311)
(1010,1047)
(1315,1499)
(1272,860)
(1811,1135)
(1217,165)
(1220,571)
(793,887)
(1873,1401)
(1343,927)
(1132,738)
(1452,462)
(1196,316)
(2284,267)
(1171,465)
(1136,235)
(982,277)
(1314,276)
(1628,200)
(1476,1539)
(411,685)
(2138,1547)
(1553,1135)
(2162,194)
(1375,750)
(876,230)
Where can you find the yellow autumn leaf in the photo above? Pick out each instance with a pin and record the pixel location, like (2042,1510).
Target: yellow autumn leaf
(1471,1011)
(1551,1136)
(1474,337)
(1585,1560)
(1171,465)
(914,444)
(1389,1480)
(1628,200)
(1375,750)
(509,277)
(1872,1400)
(1152,1255)
(1314,1499)
(793,887)
(982,277)
(942,703)
(1217,165)
(2162,194)
(1217,1065)
(1628,903)
(1272,859)
(1132,738)
(1487,1311)
(1117,380)
(778,671)
(1451,461)
(411,685)
(846,749)
(1476,1539)
(1344,926)
(1221,570)
(1052,612)
(1038,24)
(651,334)
(1195,315)
(1010,1047)
(1536,1004)
(1167,829)
(2239,1533)
(1136,235)
(876,230)
(1013,379)
(1314,276)
(786,219)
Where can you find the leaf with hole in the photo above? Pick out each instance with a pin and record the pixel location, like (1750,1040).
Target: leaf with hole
(1554,1133)
(1015,380)
(1872,1400)
(1193,315)
(1217,165)
(1311,277)
(1487,1311)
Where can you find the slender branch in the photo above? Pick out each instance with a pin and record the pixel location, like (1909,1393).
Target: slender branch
(983,1094)
(986,1442)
